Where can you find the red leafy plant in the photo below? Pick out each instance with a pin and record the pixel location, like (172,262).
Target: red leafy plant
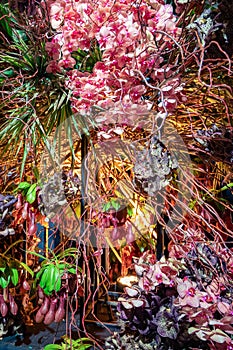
(179,304)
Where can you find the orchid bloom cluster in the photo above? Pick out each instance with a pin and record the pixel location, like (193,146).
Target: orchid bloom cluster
(134,40)
(203,304)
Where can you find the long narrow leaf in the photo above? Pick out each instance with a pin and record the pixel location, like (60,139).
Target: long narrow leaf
(25,154)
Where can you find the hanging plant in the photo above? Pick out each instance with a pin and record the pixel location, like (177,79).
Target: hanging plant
(12,277)
(115,212)
(28,206)
(52,282)
(52,270)
(154,167)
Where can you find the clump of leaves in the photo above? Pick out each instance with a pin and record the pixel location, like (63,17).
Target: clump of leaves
(50,274)
(28,190)
(34,102)
(70,344)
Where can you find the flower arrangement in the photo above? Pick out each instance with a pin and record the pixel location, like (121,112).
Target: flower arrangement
(130,55)
(178,304)
(114,51)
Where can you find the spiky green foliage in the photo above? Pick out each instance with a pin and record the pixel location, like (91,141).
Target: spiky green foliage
(33,102)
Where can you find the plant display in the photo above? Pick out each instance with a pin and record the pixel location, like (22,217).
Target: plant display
(176,304)
(33,102)
(52,271)
(13,285)
(53,288)
(54,275)
(88,89)
(123,48)
(27,206)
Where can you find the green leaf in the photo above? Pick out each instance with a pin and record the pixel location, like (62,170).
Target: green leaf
(84,346)
(25,154)
(40,256)
(31,197)
(39,273)
(53,347)
(23,185)
(14,276)
(31,194)
(55,280)
(36,173)
(78,344)
(8,73)
(32,188)
(3,267)
(116,205)
(47,292)
(106,206)
(44,278)
(58,284)
(72,270)
(4,281)
(5,21)
(130,211)
(51,279)
(68,252)
(62,266)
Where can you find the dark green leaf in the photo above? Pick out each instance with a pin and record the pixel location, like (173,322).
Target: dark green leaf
(8,73)
(25,153)
(36,173)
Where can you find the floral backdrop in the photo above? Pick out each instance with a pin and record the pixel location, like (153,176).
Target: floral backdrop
(122,73)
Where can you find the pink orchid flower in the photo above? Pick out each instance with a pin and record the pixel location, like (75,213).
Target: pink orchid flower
(188,292)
